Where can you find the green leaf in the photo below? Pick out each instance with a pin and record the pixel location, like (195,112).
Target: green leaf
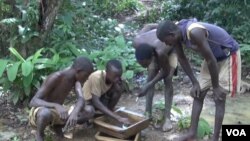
(129,74)
(55,58)
(37,55)
(176,109)
(15,97)
(73,49)
(244,47)
(5,83)
(36,83)
(12,71)
(203,128)
(27,80)
(44,61)
(9,21)
(14,52)
(68,18)
(27,90)
(3,64)
(120,41)
(27,68)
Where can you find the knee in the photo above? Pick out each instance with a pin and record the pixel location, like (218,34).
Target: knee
(201,96)
(199,99)
(219,101)
(44,115)
(90,111)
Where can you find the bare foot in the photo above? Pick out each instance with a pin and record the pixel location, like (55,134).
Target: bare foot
(167,126)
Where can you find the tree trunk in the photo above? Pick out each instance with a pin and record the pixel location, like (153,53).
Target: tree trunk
(48,12)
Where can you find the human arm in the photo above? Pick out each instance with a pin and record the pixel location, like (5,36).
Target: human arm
(195,91)
(165,71)
(72,120)
(98,104)
(48,86)
(198,37)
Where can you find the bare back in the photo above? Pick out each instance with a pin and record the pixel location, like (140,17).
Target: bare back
(151,39)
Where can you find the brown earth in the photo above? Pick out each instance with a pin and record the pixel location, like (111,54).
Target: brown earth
(14,122)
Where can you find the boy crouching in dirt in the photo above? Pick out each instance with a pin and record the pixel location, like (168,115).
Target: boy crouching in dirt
(47,104)
(103,90)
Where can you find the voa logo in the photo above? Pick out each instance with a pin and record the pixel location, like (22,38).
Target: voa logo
(236,132)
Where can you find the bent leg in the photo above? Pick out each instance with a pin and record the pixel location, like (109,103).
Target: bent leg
(167,125)
(111,97)
(44,118)
(152,71)
(219,116)
(86,113)
(196,111)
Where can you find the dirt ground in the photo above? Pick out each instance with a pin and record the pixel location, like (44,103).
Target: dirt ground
(14,127)
(14,119)
(14,122)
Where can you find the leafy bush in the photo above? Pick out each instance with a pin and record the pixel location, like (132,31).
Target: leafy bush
(245,52)
(231,15)
(20,77)
(107,8)
(117,48)
(18,26)
(204,128)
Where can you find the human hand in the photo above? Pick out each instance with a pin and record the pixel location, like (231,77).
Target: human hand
(142,91)
(71,122)
(62,111)
(196,90)
(124,120)
(219,93)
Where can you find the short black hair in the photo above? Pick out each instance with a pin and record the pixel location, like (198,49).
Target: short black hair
(144,52)
(115,63)
(164,28)
(83,64)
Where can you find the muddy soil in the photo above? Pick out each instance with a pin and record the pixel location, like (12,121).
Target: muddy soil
(14,121)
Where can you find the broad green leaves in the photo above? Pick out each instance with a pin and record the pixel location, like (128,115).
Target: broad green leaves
(117,48)
(3,64)
(23,74)
(12,71)
(27,68)
(14,52)
(245,47)
(129,74)
(203,128)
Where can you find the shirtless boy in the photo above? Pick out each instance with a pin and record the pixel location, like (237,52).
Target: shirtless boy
(47,104)
(161,62)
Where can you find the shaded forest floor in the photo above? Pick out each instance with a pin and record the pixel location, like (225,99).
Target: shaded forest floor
(14,119)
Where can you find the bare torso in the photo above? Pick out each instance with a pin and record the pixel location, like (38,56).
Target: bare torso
(60,90)
(150,38)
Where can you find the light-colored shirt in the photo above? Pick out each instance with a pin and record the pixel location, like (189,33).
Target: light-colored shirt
(95,85)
